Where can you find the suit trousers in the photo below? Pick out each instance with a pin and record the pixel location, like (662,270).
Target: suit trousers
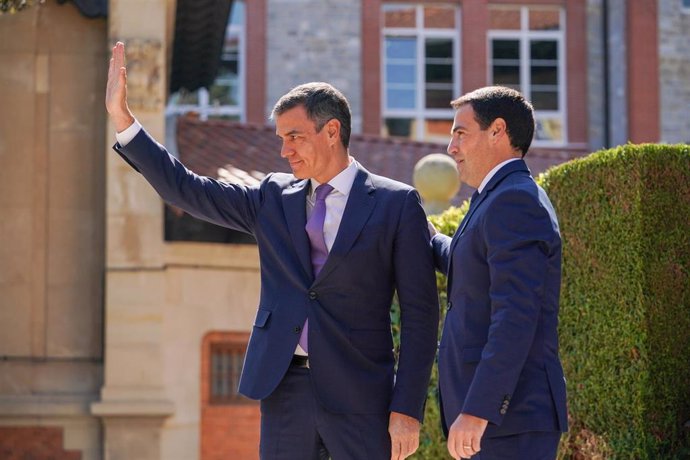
(294,426)
(532,445)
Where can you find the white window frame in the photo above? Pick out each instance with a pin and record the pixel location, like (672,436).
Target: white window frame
(205,108)
(421,114)
(525,37)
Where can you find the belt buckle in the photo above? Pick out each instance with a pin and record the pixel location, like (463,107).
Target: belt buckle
(300,361)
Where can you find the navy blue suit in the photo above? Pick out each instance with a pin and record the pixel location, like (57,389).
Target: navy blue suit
(498,356)
(382,245)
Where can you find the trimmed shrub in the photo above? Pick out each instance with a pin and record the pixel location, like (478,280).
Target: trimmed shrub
(625,302)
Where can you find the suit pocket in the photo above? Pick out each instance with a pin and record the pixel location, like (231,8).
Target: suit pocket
(472,355)
(262,316)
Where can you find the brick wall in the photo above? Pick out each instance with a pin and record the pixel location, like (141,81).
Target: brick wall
(34,443)
(228,431)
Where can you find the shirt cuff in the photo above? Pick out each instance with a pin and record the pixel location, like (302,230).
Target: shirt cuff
(125,137)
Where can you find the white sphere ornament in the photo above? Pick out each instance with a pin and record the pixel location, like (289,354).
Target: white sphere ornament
(436,178)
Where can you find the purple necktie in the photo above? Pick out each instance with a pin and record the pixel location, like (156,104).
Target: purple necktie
(319,250)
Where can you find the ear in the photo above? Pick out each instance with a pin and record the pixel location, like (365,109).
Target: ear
(333,130)
(498,129)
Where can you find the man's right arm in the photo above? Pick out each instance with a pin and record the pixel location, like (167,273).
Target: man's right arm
(233,206)
(440,245)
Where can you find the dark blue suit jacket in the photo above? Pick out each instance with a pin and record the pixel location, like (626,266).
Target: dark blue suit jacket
(498,356)
(382,245)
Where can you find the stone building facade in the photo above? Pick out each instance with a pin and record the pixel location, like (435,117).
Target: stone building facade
(674,71)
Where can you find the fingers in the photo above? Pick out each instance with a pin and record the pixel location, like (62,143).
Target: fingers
(403,447)
(463,448)
(395,449)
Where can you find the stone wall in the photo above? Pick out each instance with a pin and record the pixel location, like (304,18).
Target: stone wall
(52,191)
(315,40)
(674,71)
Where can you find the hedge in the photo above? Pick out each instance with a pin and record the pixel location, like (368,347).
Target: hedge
(624,328)
(625,302)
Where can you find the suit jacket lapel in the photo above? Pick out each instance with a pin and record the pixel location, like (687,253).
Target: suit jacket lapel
(295,209)
(360,204)
(501,174)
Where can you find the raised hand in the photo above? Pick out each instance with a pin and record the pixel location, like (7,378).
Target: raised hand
(116,90)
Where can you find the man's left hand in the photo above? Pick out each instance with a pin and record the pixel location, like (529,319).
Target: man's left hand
(465,434)
(404,432)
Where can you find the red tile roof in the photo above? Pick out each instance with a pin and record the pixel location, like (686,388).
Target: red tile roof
(248,151)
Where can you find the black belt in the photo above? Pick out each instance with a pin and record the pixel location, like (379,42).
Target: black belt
(299,361)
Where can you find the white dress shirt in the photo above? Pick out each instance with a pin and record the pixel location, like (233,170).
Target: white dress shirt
(125,137)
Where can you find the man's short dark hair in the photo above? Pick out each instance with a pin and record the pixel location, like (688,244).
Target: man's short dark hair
(494,102)
(322,102)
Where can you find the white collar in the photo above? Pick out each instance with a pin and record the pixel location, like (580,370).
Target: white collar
(343,181)
(493,172)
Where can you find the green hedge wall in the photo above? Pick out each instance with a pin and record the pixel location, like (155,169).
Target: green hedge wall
(625,303)
(624,328)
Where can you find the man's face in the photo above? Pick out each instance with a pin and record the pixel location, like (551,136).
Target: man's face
(306,150)
(470,148)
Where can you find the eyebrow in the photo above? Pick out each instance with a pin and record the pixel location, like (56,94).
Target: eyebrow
(456,129)
(289,133)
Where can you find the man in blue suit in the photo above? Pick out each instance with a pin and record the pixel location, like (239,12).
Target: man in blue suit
(501,383)
(335,242)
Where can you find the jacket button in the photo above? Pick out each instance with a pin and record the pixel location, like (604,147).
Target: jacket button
(298,329)
(503,411)
(312,295)
(449,306)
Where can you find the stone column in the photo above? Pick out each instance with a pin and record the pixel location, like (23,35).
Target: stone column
(133,403)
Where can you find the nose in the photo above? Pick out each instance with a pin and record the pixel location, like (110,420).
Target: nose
(285,151)
(452,147)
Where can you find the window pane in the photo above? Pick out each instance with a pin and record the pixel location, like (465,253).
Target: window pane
(439,61)
(438,98)
(544,99)
(439,73)
(544,19)
(401,48)
(506,63)
(184,97)
(401,73)
(439,48)
(237,13)
(400,98)
(544,75)
(544,50)
(504,19)
(226,366)
(439,17)
(686,3)
(399,16)
(507,76)
(506,49)
(437,129)
(549,129)
(401,127)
